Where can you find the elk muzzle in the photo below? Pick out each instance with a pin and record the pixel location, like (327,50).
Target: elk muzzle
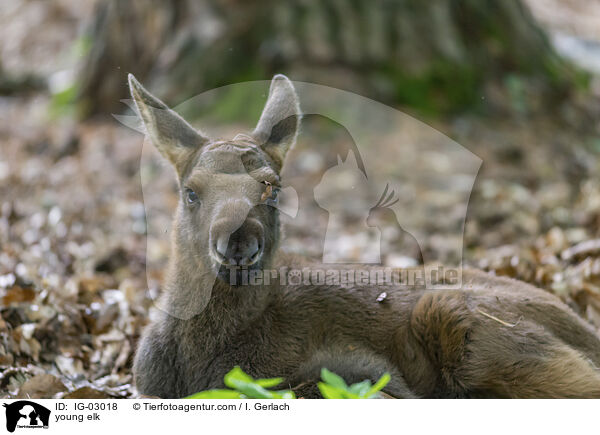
(236,239)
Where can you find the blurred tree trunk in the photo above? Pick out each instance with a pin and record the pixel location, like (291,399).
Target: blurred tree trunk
(436,56)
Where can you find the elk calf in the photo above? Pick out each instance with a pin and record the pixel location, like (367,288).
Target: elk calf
(434,343)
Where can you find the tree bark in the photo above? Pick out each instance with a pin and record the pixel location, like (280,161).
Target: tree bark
(435,56)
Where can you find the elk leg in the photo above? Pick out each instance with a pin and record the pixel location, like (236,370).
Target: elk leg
(479,356)
(547,368)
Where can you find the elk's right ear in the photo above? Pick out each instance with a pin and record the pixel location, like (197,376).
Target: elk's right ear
(170,133)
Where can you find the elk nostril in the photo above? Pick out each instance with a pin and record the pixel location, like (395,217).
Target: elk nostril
(231,251)
(221,246)
(219,250)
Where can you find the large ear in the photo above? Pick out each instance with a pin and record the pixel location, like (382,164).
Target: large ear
(277,128)
(170,133)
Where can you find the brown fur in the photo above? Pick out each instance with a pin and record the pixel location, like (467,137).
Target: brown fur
(495,337)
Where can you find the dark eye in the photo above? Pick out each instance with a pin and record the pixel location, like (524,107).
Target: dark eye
(191,196)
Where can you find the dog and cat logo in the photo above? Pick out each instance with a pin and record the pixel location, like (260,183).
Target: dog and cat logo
(24,414)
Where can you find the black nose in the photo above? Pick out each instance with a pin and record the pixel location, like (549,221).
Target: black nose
(237,250)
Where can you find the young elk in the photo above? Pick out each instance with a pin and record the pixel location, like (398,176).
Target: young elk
(434,343)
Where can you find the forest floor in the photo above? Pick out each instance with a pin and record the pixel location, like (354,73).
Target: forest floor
(74,292)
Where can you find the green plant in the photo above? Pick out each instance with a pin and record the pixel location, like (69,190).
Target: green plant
(334,387)
(243,386)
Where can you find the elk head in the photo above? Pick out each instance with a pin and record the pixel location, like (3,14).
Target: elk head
(226,216)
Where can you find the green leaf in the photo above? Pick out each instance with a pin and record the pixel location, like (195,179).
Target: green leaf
(217,394)
(330,392)
(333,379)
(269,383)
(250,389)
(379,385)
(287,394)
(255,389)
(236,374)
(361,388)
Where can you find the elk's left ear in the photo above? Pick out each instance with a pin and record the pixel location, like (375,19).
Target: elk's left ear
(277,128)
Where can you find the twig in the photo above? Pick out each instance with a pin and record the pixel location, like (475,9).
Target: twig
(510,325)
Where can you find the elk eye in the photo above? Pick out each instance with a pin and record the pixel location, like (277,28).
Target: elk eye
(191,196)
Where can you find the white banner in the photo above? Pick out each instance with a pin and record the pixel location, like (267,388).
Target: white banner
(150,416)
